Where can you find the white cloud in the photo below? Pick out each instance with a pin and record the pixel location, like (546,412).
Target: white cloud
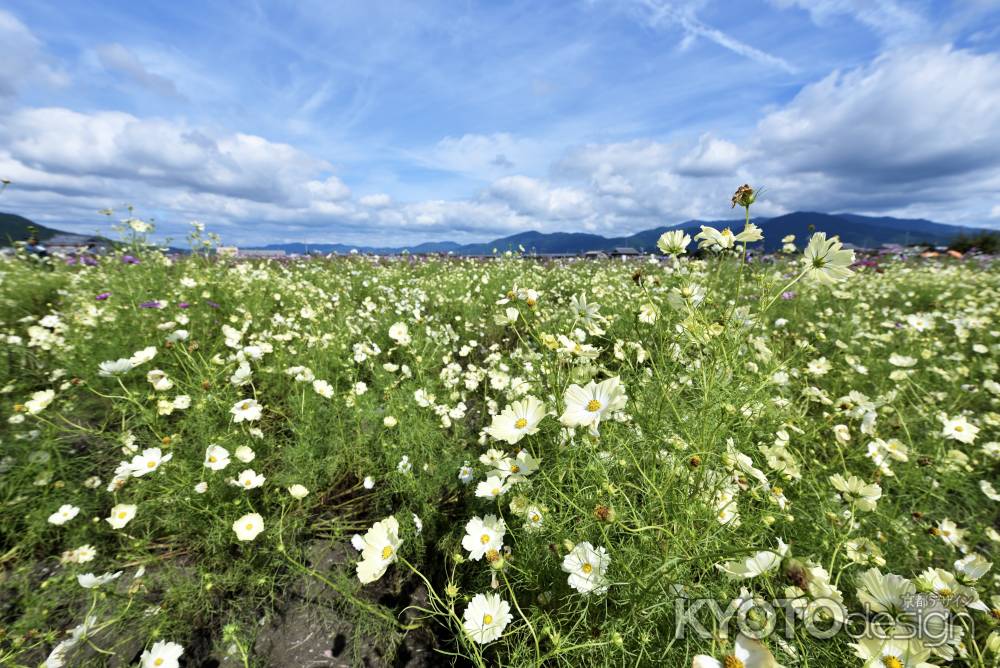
(376,201)
(483,156)
(119,59)
(22,58)
(712,156)
(666,12)
(888,18)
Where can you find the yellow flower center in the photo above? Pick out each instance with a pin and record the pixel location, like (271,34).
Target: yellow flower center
(958,427)
(386,552)
(158,662)
(521,423)
(945,592)
(211,459)
(496,491)
(485,538)
(487,619)
(249,526)
(587,568)
(593,405)
(151,465)
(536,517)
(122,515)
(891,662)
(732,662)
(514,468)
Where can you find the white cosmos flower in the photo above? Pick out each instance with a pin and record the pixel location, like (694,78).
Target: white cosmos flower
(855,490)
(143,356)
(91,581)
(400,333)
(491,488)
(114,367)
(825,259)
(486,618)
(759,563)
(747,653)
(39,401)
(162,654)
(248,526)
(903,361)
(973,567)
(323,388)
(159,380)
(378,549)
(65,513)
(586,406)
(989,490)
(245,454)
(216,457)
(889,652)
(713,239)
(587,566)
(483,535)
(884,593)
(249,479)
(298,491)
(674,242)
(518,420)
(959,429)
(148,462)
(121,515)
(246,410)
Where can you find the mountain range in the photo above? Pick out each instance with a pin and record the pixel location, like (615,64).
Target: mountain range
(861,231)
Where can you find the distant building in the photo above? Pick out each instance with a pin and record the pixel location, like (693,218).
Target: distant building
(260,253)
(624,251)
(594,254)
(71,243)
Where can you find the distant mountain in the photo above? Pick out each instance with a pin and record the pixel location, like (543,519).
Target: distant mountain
(15,228)
(862,231)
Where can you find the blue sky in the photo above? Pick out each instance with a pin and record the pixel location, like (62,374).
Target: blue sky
(394,123)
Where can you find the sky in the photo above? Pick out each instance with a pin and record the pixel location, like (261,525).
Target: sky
(392,123)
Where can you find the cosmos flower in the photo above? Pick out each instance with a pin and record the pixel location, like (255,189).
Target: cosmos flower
(216,457)
(248,526)
(518,420)
(483,535)
(486,617)
(91,581)
(586,406)
(826,261)
(378,549)
(148,461)
(587,566)
(246,410)
(65,513)
(759,563)
(162,654)
(747,653)
(121,515)
(853,490)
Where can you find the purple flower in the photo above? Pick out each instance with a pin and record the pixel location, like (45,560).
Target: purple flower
(130,259)
(183,305)
(211,303)
(788,295)
(101,297)
(152,304)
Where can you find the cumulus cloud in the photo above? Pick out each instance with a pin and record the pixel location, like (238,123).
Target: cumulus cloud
(22,56)
(119,59)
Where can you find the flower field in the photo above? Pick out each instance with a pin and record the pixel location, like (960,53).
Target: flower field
(399,461)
